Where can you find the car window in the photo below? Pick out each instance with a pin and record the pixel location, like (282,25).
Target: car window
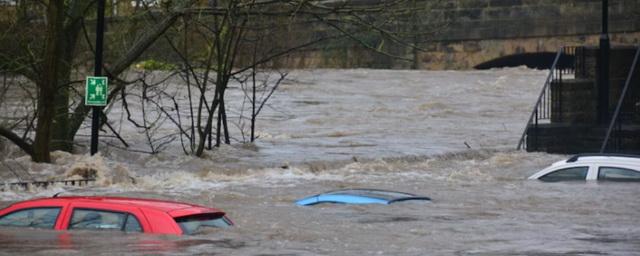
(194,223)
(618,174)
(97,219)
(32,217)
(566,174)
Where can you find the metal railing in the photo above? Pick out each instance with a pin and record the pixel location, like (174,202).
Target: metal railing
(550,100)
(26,181)
(24,185)
(614,131)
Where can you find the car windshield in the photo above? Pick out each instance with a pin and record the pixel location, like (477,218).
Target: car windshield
(195,223)
(34,217)
(567,174)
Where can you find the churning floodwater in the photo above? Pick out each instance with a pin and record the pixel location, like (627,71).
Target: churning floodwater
(448,135)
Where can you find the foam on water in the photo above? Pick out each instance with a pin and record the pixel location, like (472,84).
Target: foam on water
(463,167)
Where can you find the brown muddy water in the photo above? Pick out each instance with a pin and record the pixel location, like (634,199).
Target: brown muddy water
(332,129)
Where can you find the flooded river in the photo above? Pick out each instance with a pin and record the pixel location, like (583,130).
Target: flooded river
(448,135)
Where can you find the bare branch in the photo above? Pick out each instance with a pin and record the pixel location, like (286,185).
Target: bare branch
(20,142)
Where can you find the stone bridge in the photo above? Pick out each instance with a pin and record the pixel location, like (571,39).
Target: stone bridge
(517,31)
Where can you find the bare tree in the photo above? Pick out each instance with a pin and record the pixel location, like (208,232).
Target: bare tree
(241,38)
(257,92)
(48,64)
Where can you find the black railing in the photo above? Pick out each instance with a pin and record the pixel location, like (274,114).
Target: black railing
(26,181)
(549,101)
(44,184)
(623,115)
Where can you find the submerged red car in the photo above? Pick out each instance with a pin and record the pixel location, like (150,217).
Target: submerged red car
(112,213)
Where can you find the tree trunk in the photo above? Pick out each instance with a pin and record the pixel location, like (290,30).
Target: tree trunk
(253,103)
(60,139)
(207,129)
(47,84)
(61,135)
(24,145)
(220,108)
(225,126)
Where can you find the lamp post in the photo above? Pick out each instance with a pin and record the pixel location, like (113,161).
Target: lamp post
(95,120)
(603,67)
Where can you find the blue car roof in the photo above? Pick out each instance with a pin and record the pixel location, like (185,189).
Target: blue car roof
(360,196)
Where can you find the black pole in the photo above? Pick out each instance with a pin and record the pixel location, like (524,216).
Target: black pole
(95,120)
(603,67)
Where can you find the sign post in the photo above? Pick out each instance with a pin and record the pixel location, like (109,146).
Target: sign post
(97,86)
(95,95)
(603,67)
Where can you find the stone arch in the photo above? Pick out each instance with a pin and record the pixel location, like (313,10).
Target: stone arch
(537,60)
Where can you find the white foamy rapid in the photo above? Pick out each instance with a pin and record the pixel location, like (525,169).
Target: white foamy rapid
(449,135)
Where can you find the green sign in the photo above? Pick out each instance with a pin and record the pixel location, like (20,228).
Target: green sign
(96,91)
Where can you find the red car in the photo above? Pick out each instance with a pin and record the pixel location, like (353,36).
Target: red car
(112,213)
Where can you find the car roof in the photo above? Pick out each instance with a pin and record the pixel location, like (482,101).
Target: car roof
(602,159)
(613,160)
(360,196)
(160,205)
(603,156)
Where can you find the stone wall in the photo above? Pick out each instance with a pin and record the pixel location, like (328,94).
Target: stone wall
(504,19)
(468,54)
(481,30)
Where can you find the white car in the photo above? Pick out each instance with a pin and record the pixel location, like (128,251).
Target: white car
(612,167)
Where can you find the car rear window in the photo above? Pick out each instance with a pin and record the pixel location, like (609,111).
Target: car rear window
(193,224)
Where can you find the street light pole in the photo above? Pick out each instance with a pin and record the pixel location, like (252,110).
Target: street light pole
(603,67)
(95,121)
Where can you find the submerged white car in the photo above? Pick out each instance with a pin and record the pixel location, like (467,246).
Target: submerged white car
(611,167)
